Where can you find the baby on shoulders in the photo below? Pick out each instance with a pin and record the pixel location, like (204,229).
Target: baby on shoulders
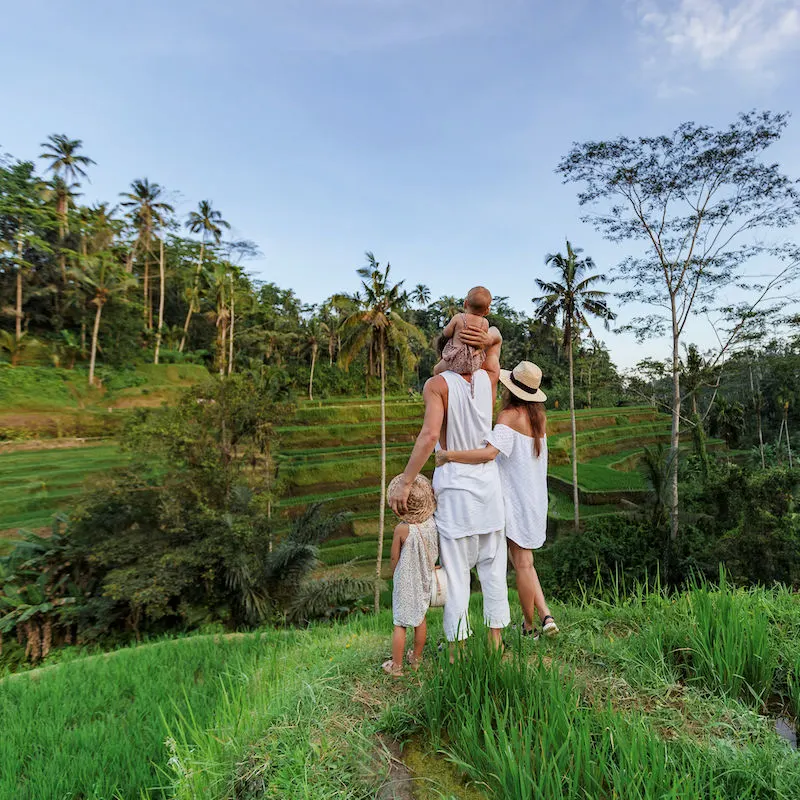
(457,355)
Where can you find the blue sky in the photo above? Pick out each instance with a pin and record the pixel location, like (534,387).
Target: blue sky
(424,130)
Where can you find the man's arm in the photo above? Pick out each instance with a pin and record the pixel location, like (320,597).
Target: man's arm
(433,394)
(490,341)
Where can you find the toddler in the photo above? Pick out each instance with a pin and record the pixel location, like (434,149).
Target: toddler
(458,356)
(415,548)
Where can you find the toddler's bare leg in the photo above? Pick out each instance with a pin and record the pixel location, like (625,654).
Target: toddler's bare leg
(398,645)
(420,635)
(441,367)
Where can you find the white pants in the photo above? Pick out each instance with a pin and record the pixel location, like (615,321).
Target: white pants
(487,552)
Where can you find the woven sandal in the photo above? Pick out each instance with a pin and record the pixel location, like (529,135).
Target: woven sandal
(549,628)
(413,661)
(390,668)
(532,632)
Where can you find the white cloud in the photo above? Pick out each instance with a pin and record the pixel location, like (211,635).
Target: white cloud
(747,35)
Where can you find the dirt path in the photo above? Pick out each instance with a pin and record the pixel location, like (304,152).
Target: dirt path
(399,783)
(50,444)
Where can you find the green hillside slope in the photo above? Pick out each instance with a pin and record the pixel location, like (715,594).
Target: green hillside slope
(637,699)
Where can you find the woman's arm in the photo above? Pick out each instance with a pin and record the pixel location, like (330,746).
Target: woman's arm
(480,456)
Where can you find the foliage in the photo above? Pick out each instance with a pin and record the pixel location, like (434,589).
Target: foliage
(697,202)
(183,536)
(744,518)
(573,298)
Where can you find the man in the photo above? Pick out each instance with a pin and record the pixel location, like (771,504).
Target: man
(470,513)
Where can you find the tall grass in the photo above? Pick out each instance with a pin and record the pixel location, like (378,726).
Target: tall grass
(531,729)
(728,641)
(524,731)
(96,727)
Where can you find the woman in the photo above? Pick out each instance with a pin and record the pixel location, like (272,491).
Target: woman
(520,439)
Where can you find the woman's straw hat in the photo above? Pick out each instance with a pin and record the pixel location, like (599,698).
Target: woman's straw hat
(421,500)
(524,381)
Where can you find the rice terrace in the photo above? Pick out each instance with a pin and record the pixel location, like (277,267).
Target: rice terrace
(503,509)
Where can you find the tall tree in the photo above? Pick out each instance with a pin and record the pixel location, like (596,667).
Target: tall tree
(312,336)
(162,275)
(696,200)
(220,291)
(25,219)
(148,212)
(105,279)
(208,222)
(421,294)
(572,299)
(68,166)
(376,326)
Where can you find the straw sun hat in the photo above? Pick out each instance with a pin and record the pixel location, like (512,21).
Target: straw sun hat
(421,500)
(524,381)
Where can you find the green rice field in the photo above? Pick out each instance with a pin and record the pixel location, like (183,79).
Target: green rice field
(332,452)
(35,484)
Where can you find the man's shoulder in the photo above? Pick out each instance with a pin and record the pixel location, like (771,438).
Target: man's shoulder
(435,385)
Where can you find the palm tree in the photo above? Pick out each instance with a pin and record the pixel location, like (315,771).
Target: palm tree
(162,274)
(148,213)
(572,300)
(329,328)
(376,326)
(421,294)
(105,279)
(16,346)
(68,167)
(208,222)
(220,286)
(312,336)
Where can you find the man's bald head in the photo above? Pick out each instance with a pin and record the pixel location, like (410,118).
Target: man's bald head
(479,298)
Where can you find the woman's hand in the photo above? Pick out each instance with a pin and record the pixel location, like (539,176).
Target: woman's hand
(442,458)
(476,338)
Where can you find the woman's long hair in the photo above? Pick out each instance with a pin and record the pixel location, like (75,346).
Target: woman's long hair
(536,415)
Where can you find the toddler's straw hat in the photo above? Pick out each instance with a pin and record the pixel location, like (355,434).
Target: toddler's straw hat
(421,500)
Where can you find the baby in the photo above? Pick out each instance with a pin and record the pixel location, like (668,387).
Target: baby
(460,357)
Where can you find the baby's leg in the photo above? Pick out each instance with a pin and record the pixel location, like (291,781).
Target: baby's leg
(441,367)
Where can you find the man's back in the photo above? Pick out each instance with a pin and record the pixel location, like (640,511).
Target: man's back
(469,498)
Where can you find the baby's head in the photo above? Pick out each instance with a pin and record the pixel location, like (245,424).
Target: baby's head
(478,301)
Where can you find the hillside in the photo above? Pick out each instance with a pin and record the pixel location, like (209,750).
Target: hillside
(61,440)
(637,699)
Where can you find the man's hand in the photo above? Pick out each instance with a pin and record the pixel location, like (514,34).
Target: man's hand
(398,499)
(477,338)
(442,458)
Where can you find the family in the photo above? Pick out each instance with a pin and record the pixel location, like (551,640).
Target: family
(488,500)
